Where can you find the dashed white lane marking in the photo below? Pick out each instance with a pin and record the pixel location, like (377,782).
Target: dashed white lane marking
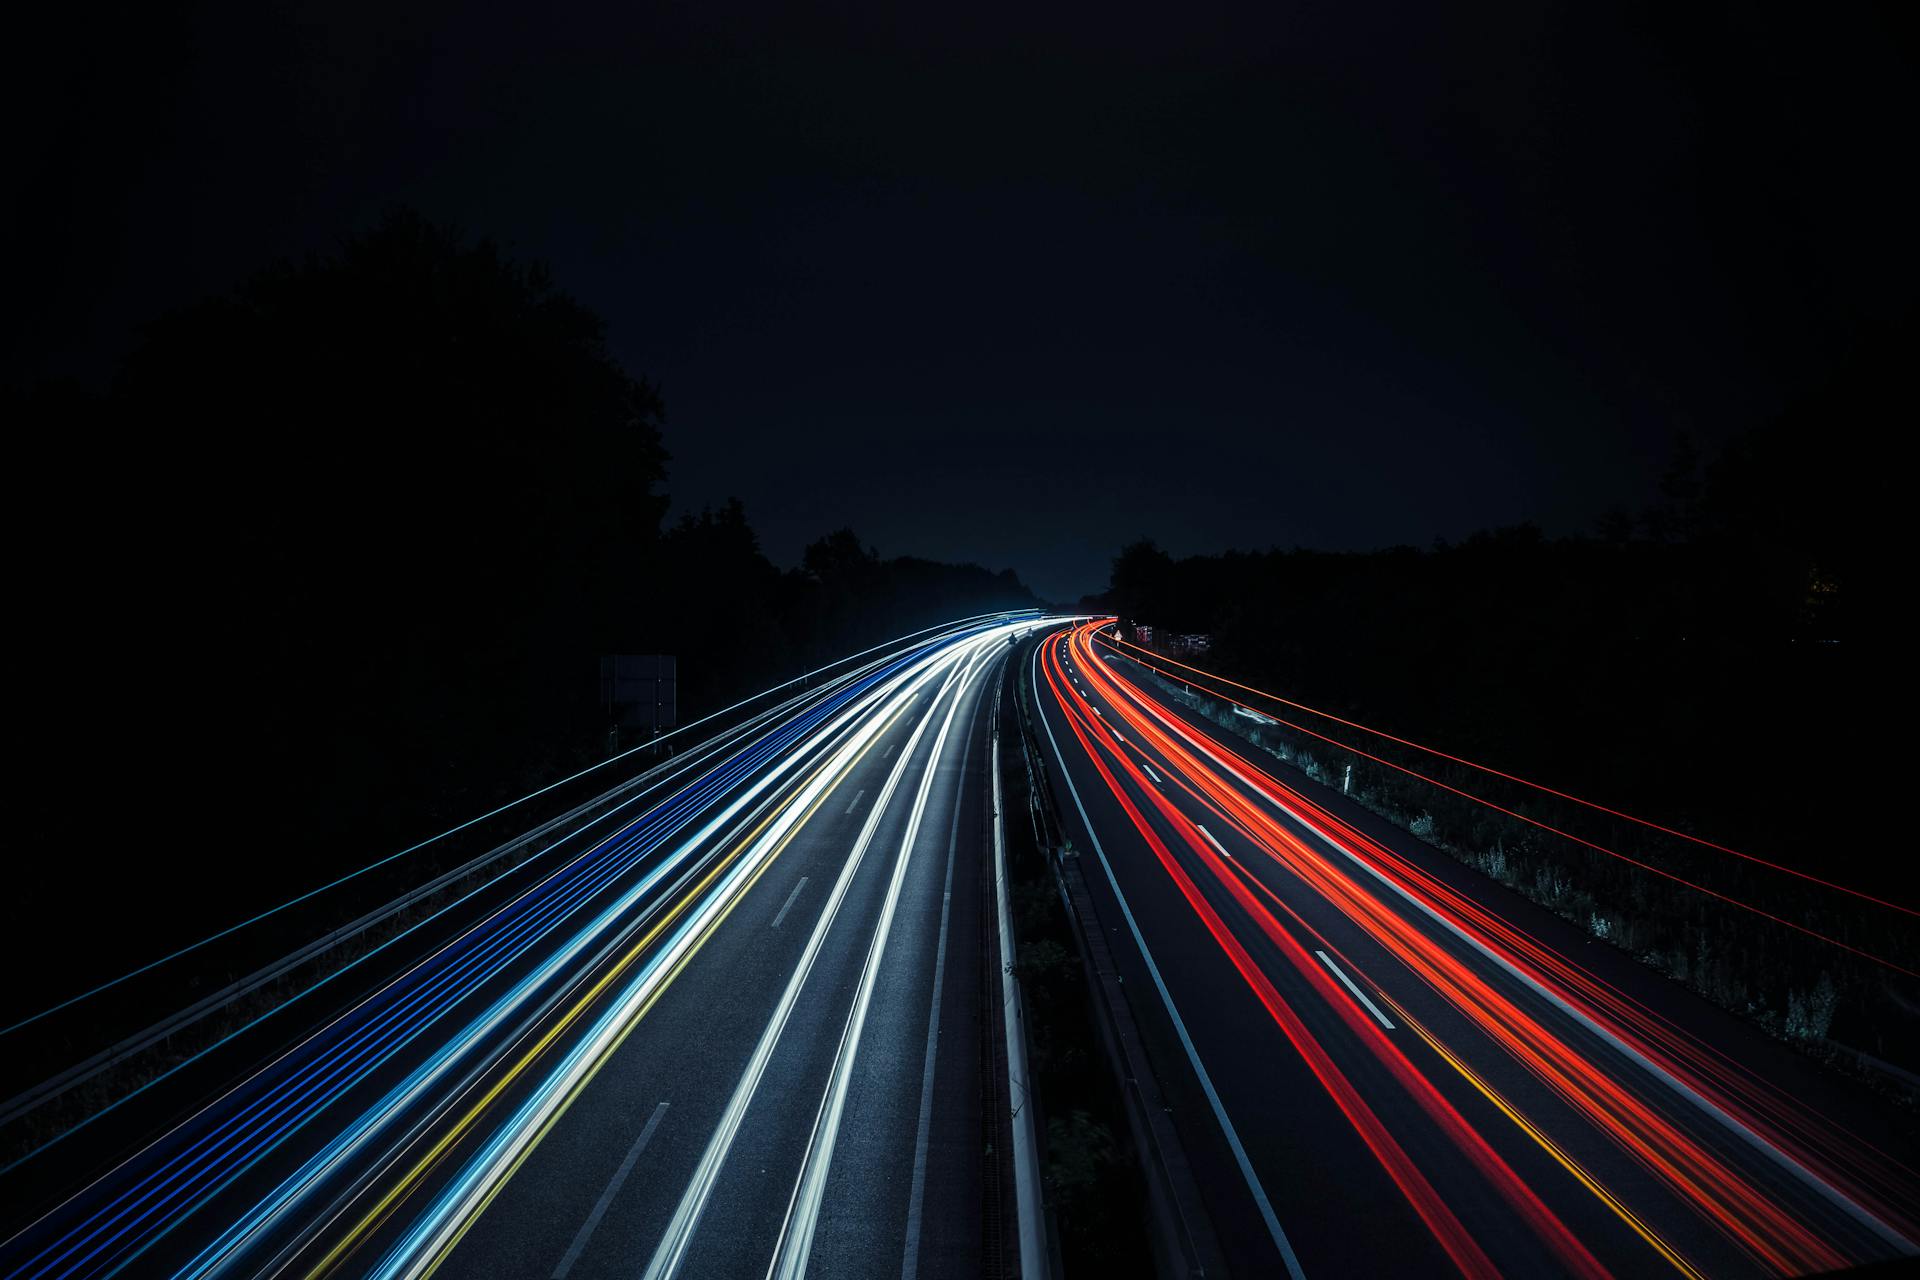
(1358,994)
(790,899)
(606,1197)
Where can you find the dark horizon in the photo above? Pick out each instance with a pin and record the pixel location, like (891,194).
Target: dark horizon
(715,640)
(1113,280)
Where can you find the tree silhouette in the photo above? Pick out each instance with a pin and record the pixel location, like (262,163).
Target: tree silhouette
(339,548)
(332,564)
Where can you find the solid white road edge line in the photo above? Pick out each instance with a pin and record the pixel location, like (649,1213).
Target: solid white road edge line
(672,1249)
(791,1251)
(917,1196)
(1274,1229)
(1832,1194)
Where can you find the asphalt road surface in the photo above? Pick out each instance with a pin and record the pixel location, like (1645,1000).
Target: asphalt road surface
(1383,1063)
(732,1026)
(740,1021)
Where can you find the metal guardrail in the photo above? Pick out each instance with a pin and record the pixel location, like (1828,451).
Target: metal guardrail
(1036,1258)
(93,1066)
(47,1090)
(1185,1243)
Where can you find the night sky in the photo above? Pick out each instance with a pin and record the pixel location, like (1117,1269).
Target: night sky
(1016,287)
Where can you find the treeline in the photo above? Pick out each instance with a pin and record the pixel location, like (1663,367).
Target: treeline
(1726,662)
(332,563)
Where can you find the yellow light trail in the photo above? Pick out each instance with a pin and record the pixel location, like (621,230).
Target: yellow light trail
(383,1209)
(1545,1143)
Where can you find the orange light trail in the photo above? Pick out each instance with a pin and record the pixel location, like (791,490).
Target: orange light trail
(1446,1228)
(1743,1212)
(1612,853)
(1489,769)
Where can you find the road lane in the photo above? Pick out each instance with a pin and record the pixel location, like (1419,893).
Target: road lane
(722,1206)
(548,1078)
(1538,1117)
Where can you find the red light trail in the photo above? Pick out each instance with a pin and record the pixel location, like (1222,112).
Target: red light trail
(1643,865)
(1152,660)
(1614,1066)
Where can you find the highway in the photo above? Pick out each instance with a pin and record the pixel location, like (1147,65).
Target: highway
(741,1020)
(1382,1063)
(731,1027)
